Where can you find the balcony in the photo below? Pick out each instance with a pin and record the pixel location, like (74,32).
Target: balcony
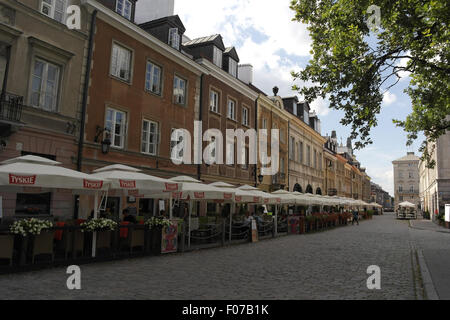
(10,108)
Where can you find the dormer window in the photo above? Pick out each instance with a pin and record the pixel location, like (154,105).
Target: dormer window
(232,67)
(217,58)
(295,109)
(174,38)
(123,7)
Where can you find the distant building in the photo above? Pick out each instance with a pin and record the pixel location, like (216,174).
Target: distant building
(406,179)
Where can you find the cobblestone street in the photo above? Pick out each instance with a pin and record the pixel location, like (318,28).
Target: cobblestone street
(326,265)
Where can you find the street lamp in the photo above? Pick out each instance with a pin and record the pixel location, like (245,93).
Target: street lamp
(260,178)
(106,142)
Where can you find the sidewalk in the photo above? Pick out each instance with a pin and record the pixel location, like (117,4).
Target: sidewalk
(427,225)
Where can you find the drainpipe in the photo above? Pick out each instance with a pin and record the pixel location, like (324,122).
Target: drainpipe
(289,156)
(87,76)
(200,118)
(256,127)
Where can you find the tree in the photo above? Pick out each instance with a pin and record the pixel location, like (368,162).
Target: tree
(353,66)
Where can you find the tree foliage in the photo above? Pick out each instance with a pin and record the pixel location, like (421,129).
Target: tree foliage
(354,66)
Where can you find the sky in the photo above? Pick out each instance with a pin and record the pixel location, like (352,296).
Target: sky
(266,37)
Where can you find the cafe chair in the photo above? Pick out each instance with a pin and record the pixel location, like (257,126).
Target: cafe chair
(43,244)
(7,247)
(137,239)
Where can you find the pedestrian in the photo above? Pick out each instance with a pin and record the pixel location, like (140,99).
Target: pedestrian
(355,217)
(127,217)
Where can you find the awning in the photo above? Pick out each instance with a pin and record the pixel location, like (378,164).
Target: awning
(32,171)
(132,180)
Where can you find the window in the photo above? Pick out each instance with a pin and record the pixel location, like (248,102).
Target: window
(315,159)
(411,175)
(214,101)
(217,58)
(115,125)
(245,116)
(44,87)
(33,203)
(232,67)
(121,62)
(308,155)
(282,135)
(282,165)
(123,7)
(295,108)
(150,137)
(232,109)
(264,123)
(411,189)
(174,38)
(291,148)
(153,78)
(400,188)
(300,152)
(246,157)
(179,90)
(55,9)
(179,139)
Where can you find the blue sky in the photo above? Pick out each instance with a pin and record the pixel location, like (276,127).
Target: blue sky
(265,36)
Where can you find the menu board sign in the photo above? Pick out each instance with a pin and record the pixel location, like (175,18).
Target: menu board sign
(254,231)
(169,241)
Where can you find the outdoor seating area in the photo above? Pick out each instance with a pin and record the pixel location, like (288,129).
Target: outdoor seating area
(406,210)
(230,215)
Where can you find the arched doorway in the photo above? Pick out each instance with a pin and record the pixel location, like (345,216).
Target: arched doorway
(318,191)
(298,188)
(309,189)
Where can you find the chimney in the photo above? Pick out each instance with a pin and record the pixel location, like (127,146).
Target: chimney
(245,73)
(333,134)
(160,9)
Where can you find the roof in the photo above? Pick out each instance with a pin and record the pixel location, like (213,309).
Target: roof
(409,157)
(231,51)
(254,88)
(173,21)
(215,39)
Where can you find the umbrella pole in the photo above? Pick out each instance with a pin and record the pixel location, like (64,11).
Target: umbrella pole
(275,223)
(189,227)
(170,207)
(233,208)
(94,234)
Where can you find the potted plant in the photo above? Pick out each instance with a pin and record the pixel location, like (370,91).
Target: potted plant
(156,225)
(103,227)
(30,226)
(29,229)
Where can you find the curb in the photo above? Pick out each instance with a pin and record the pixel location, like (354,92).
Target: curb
(430,291)
(417,228)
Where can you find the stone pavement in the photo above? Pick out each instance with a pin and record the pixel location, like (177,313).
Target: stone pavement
(434,242)
(325,265)
(427,225)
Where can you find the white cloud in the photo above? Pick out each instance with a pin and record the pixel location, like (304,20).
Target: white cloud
(389,98)
(261,30)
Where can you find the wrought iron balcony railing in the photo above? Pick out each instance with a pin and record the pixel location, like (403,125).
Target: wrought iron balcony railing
(11,107)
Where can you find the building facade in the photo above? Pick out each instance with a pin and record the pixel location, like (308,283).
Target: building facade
(435,183)
(227,104)
(271,115)
(142,88)
(41,72)
(305,148)
(406,179)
